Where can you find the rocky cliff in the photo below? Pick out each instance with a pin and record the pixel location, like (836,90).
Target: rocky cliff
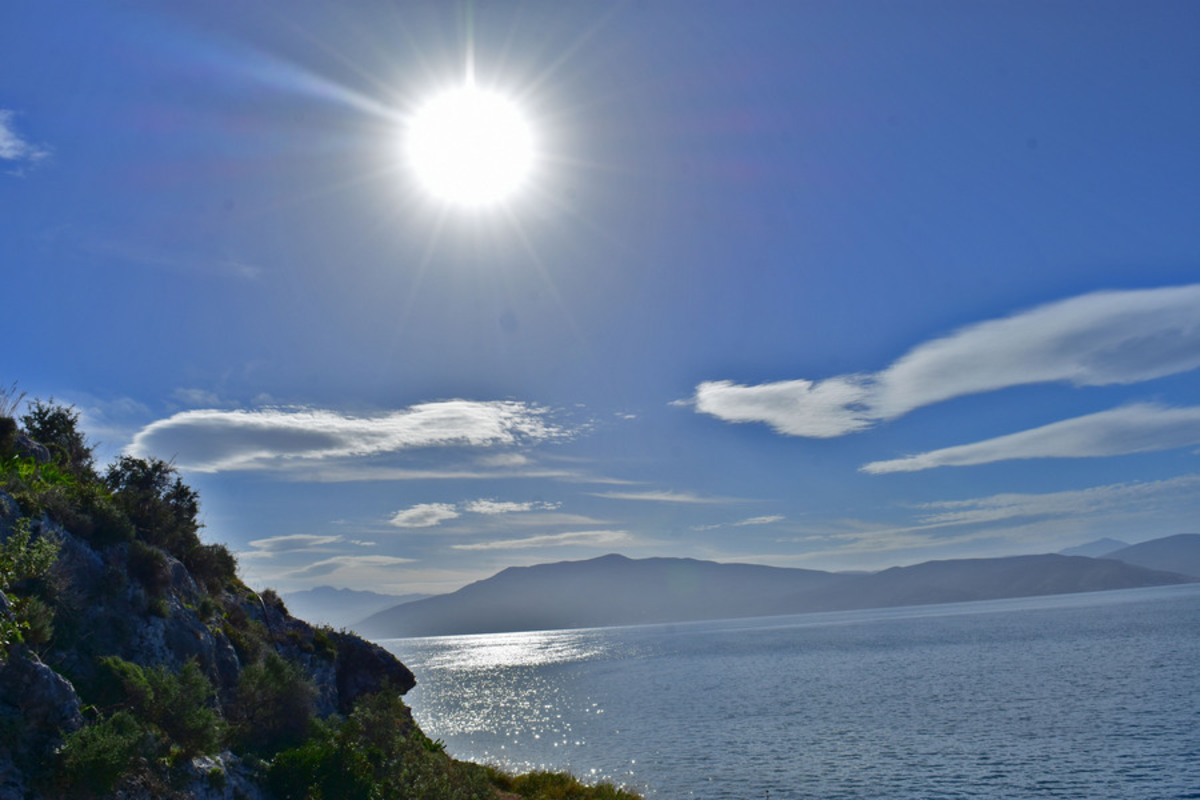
(129,602)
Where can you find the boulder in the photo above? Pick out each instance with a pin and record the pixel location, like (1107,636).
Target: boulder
(364,667)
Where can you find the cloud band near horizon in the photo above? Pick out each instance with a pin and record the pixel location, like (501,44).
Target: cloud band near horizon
(1137,428)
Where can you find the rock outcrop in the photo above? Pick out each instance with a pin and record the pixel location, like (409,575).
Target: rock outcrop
(142,605)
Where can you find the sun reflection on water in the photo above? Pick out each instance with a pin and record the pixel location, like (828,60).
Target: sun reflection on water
(507,698)
(501,650)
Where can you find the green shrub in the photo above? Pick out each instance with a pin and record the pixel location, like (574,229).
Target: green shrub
(325,642)
(248,638)
(271,599)
(24,561)
(179,705)
(149,567)
(37,487)
(101,521)
(555,786)
(376,753)
(274,705)
(212,565)
(95,758)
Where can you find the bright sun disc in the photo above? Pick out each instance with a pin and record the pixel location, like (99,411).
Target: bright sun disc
(470,147)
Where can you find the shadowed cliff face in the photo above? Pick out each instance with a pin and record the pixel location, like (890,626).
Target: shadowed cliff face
(129,603)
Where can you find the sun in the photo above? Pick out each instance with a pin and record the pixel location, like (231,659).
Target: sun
(470,147)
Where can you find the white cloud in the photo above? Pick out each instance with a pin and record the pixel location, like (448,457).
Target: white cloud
(489,506)
(1103,338)
(423,515)
(13,147)
(330,566)
(819,410)
(1138,428)
(767,520)
(292,543)
(662,497)
(572,539)
(212,440)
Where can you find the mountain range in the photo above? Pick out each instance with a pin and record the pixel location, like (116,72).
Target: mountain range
(616,590)
(341,608)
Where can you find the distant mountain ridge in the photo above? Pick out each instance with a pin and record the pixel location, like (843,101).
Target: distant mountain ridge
(341,608)
(1179,553)
(1096,549)
(616,590)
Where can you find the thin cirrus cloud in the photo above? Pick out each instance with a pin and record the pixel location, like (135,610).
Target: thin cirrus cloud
(214,440)
(299,542)
(329,566)
(571,539)
(427,515)
(1097,339)
(765,520)
(1137,428)
(1076,503)
(661,497)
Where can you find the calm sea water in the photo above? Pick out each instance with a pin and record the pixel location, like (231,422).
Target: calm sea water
(1079,696)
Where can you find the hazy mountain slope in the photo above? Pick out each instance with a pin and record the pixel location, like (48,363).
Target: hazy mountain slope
(341,608)
(1179,553)
(963,580)
(614,590)
(1095,549)
(611,590)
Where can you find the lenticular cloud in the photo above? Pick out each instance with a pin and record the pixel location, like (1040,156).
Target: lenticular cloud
(1104,338)
(214,440)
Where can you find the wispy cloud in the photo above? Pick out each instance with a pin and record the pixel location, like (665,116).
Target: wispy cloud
(427,515)
(765,520)
(423,515)
(572,539)
(662,497)
(1014,518)
(292,543)
(14,148)
(329,566)
(357,473)
(213,440)
(1126,497)
(489,506)
(1103,338)
(1138,428)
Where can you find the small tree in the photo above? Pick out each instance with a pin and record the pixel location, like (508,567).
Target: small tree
(161,506)
(57,427)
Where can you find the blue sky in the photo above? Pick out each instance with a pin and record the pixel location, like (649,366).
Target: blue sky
(829,285)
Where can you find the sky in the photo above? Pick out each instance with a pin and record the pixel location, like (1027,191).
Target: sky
(811,284)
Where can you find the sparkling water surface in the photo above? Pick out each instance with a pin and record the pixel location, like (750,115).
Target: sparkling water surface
(1073,696)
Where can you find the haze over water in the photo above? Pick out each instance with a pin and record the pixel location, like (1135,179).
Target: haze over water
(1070,696)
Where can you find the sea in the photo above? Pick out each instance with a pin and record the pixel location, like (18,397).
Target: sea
(1072,696)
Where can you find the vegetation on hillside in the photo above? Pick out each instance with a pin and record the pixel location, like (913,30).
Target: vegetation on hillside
(95,564)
